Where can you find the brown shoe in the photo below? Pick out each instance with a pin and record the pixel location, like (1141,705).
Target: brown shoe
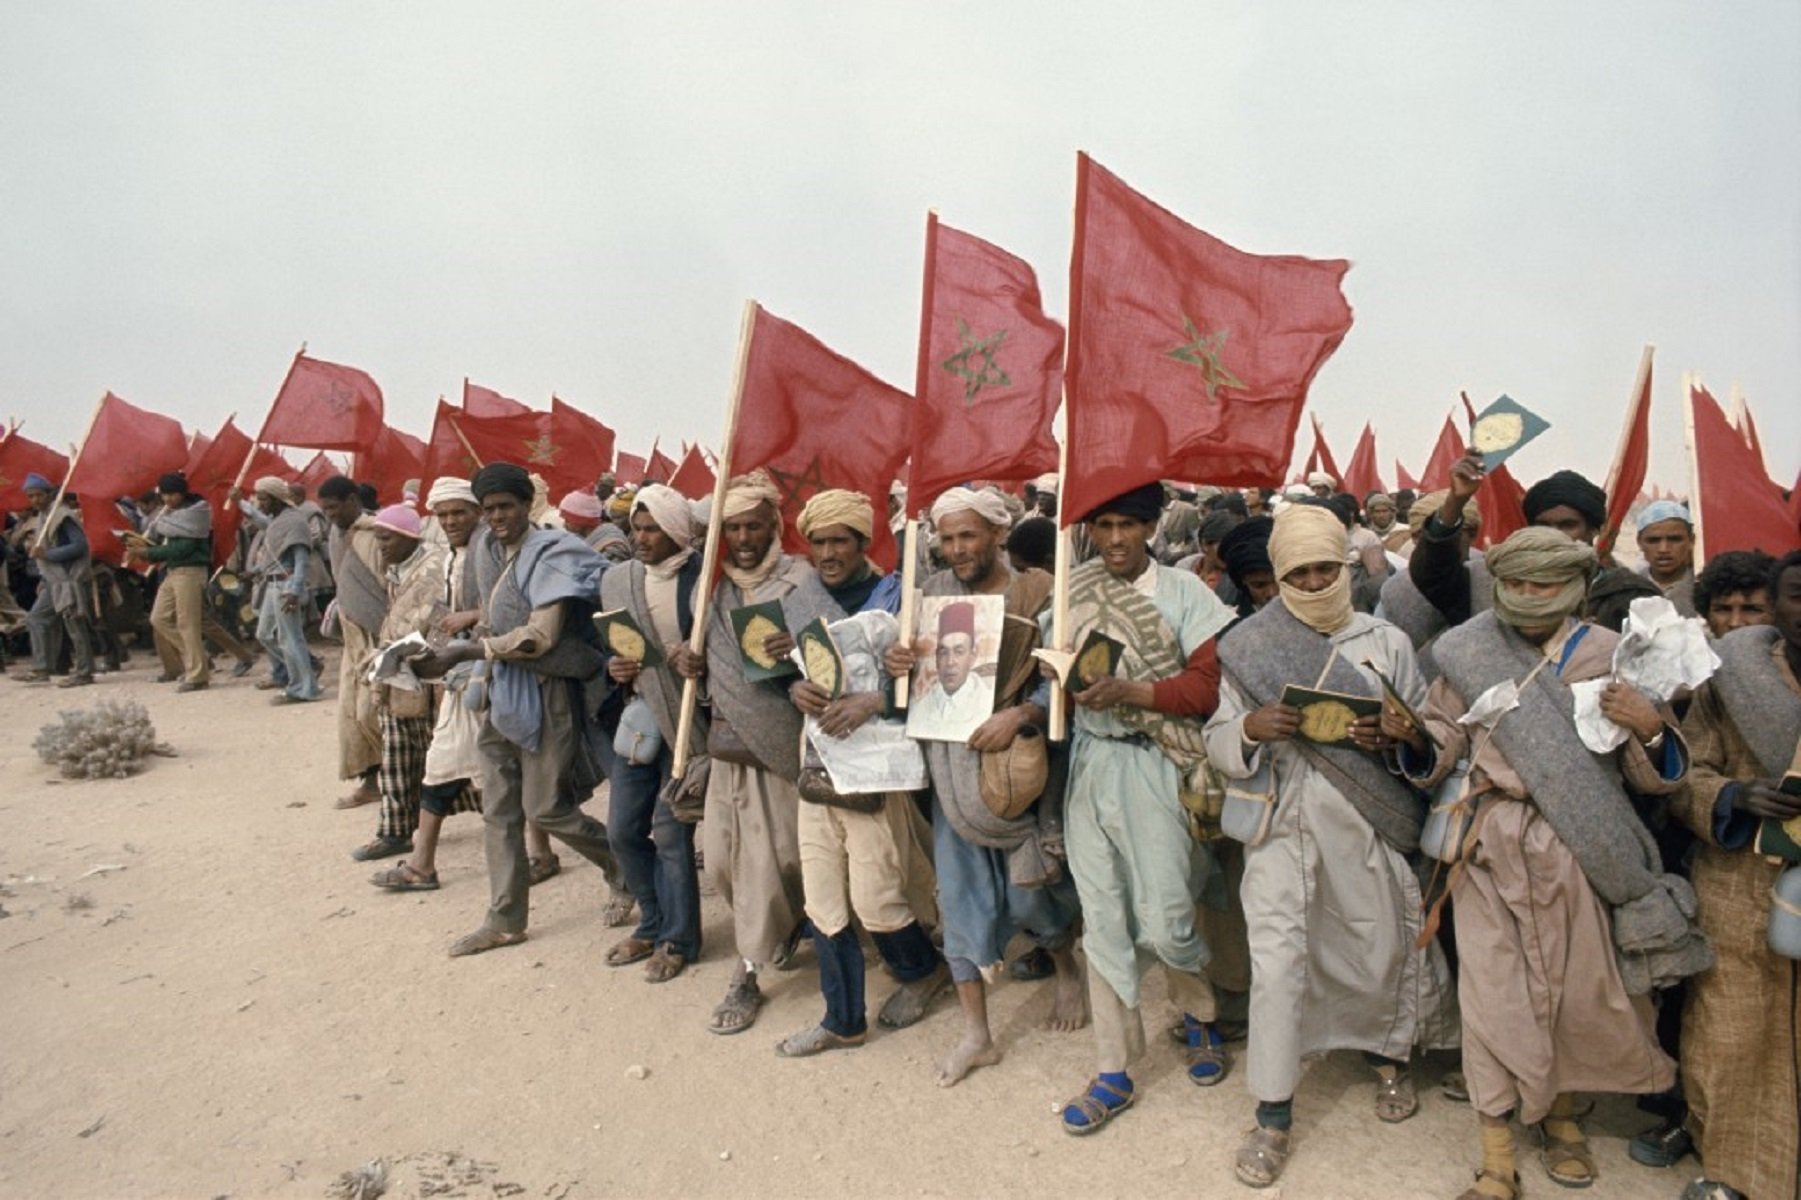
(664,965)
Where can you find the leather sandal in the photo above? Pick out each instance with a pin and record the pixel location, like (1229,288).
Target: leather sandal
(1396,1099)
(629,950)
(1555,1155)
(665,964)
(1095,1110)
(1486,1183)
(1261,1156)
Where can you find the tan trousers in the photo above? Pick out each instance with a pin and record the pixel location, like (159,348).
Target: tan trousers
(359,734)
(178,618)
(752,846)
(1119,1030)
(869,863)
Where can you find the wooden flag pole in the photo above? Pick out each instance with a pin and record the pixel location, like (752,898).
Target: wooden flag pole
(62,489)
(909,580)
(1604,543)
(250,455)
(1059,713)
(458,430)
(709,559)
(1694,465)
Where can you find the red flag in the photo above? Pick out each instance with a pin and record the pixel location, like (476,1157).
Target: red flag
(463,443)
(1321,459)
(629,469)
(389,462)
(318,469)
(1447,450)
(990,369)
(798,400)
(214,472)
(126,450)
(197,446)
(1403,480)
(693,478)
(1630,460)
(479,401)
(324,406)
(19,456)
(660,467)
(1360,478)
(588,443)
(1734,504)
(1188,359)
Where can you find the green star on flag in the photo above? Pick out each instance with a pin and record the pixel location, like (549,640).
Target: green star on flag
(962,364)
(1203,350)
(798,487)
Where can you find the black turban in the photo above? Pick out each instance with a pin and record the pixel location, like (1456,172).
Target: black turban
(1143,503)
(1246,549)
(1567,488)
(338,487)
(173,482)
(502,477)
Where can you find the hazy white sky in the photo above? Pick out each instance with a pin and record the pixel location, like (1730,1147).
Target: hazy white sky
(580,196)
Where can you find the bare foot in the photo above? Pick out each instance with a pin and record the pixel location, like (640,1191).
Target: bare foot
(976,1049)
(1069,1011)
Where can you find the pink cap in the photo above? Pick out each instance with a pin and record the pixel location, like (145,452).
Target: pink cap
(400,519)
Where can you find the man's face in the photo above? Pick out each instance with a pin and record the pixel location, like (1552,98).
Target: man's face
(38,499)
(395,547)
(749,535)
(1047,504)
(172,500)
(508,517)
(1736,610)
(1668,547)
(837,552)
(267,505)
(1121,541)
(457,519)
(1568,522)
(649,543)
(1786,608)
(1253,500)
(1321,490)
(1382,513)
(1314,577)
(956,654)
(1260,585)
(971,546)
(341,512)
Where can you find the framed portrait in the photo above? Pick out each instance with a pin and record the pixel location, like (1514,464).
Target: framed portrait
(959,642)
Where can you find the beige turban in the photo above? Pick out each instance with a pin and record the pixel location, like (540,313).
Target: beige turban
(540,497)
(274,485)
(837,506)
(448,489)
(670,510)
(1321,479)
(1539,554)
(985,504)
(747,491)
(1312,533)
(1431,502)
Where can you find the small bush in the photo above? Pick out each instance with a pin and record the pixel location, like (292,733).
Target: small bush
(108,741)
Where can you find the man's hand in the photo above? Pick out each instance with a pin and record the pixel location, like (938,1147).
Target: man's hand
(898,660)
(290,602)
(1274,722)
(1763,798)
(37,550)
(809,697)
(1630,709)
(456,622)
(1367,734)
(998,731)
(845,715)
(1466,478)
(1397,728)
(434,663)
(234,493)
(688,664)
(623,670)
(778,645)
(1110,691)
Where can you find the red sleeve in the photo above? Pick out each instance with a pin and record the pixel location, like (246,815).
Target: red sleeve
(1194,692)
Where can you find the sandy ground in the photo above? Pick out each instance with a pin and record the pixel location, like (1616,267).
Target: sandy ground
(203,997)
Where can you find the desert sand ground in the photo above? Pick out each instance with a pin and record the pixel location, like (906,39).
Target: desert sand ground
(204,997)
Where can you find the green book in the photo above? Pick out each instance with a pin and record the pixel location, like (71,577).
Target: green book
(753,625)
(1776,838)
(824,661)
(1098,658)
(1327,717)
(623,637)
(1502,428)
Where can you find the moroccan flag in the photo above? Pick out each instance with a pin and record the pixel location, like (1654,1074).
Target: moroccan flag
(462,443)
(388,462)
(1740,416)
(479,401)
(1403,480)
(317,470)
(693,478)
(1360,478)
(1188,359)
(990,371)
(215,470)
(1447,450)
(587,442)
(1321,459)
(19,456)
(1631,460)
(126,450)
(629,469)
(799,405)
(659,466)
(324,406)
(1734,504)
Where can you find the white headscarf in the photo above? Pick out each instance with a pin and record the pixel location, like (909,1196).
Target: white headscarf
(670,510)
(986,505)
(447,489)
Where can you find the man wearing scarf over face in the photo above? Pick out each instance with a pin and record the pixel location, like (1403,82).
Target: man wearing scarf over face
(1331,903)
(752,808)
(1138,744)
(1565,919)
(537,590)
(654,843)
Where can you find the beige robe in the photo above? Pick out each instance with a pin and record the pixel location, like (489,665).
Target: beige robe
(359,731)
(1544,1008)
(1741,1062)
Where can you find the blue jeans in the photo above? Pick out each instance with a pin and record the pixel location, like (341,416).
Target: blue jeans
(656,854)
(283,635)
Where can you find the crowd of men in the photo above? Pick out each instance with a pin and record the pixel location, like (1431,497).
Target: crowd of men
(1592,923)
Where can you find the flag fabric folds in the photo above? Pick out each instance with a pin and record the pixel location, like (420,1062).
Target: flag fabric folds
(1320,457)
(693,478)
(388,462)
(628,469)
(1404,480)
(798,400)
(568,448)
(990,369)
(1631,460)
(587,442)
(1360,477)
(479,401)
(212,473)
(659,466)
(19,457)
(1447,450)
(324,406)
(126,449)
(317,470)
(1188,358)
(1733,502)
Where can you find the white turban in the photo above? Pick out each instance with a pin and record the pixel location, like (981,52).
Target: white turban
(1321,479)
(670,510)
(1046,483)
(448,489)
(276,486)
(747,491)
(985,504)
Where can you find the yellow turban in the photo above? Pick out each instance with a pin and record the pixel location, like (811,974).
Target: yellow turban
(837,506)
(747,491)
(1312,533)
